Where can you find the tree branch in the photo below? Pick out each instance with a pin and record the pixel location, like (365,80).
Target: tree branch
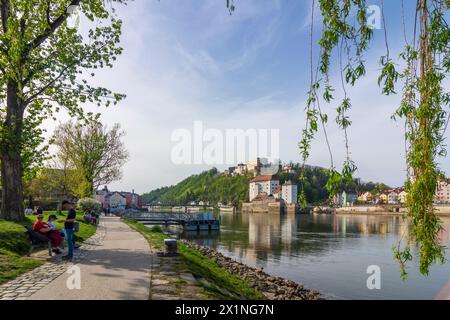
(53,26)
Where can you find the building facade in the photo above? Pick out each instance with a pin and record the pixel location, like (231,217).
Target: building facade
(117,202)
(365,197)
(263,184)
(402,197)
(345,199)
(392,198)
(289,192)
(443,192)
(103,197)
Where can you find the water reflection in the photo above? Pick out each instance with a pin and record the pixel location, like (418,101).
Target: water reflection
(326,252)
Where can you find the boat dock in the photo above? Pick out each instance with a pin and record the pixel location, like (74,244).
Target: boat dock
(202,221)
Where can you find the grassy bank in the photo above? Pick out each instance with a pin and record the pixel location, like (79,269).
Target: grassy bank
(220,284)
(14,244)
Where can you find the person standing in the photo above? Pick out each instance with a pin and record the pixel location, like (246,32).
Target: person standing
(69,226)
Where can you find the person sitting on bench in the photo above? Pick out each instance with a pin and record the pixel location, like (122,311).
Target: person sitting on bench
(51,223)
(43,228)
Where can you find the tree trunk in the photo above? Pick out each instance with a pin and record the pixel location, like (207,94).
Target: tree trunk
(11,160)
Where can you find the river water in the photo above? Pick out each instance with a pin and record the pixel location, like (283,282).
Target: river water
(328,253)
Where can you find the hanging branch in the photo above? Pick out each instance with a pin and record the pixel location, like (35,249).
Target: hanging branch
(424,106)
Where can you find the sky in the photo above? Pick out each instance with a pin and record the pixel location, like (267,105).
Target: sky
(187,61)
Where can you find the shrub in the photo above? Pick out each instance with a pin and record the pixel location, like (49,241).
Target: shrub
(90,204)
(156,229)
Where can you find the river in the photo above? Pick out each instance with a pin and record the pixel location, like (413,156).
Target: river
(328,253)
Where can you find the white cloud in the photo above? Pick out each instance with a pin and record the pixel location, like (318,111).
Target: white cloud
(176,70)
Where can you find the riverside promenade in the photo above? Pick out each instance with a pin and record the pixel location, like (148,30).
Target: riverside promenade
(117,263)
(117,268)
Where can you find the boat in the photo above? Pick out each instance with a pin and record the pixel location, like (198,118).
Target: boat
(227,209)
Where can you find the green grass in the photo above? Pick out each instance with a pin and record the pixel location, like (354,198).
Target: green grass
(154,235)
(218,277)
(14,244)
(13,238)
(219,283)
(12,265)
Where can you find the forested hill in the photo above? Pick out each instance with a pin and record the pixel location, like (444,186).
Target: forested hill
(209,186)
(213,187)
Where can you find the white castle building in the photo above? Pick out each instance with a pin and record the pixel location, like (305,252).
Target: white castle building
(271,186)
(263,184)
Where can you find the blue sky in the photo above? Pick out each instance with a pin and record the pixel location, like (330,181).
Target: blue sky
(190,60)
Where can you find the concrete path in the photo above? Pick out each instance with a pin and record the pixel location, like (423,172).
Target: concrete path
(118,268)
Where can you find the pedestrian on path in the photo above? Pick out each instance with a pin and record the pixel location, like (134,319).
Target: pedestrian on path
(69,226)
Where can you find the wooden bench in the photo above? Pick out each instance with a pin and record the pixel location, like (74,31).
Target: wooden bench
(38,240)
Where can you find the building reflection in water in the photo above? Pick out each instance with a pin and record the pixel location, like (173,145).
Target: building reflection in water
(257,238)
(325,251)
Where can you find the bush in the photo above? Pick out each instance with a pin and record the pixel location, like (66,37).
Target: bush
(156,229)
(90,204)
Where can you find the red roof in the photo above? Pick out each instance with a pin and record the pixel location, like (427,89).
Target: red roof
(263,178)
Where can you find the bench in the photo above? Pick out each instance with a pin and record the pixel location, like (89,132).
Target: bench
(38,240)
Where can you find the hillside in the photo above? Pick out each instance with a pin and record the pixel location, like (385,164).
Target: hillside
(208,186)
(213,187)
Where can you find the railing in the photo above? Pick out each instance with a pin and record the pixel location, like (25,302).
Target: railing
(164,217)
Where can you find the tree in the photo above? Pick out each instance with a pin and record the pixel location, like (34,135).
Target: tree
(424,105)
(95,153)
(54,183)
(45,65)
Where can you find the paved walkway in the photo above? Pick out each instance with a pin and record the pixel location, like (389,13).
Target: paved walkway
(29,283)
(118,268)
(117,263)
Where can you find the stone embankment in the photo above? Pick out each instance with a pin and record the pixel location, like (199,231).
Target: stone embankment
(273,288)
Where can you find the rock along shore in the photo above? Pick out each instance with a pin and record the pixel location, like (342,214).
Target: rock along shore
(273,288)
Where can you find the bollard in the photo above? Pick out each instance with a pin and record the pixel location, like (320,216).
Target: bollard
(171,246)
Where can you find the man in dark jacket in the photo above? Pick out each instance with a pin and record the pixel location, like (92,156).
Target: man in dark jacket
(69,226)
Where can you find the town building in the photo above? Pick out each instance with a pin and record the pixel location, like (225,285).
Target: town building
(289,192)
(345,199)
(392,197)
(102,196)
(365,197)
(114,200)
(117,202)
(443,191)
(253,166)
(383,198)
(240,170)
(277,193)
(267,184)
(288,168)
(402,196)
(133,199)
